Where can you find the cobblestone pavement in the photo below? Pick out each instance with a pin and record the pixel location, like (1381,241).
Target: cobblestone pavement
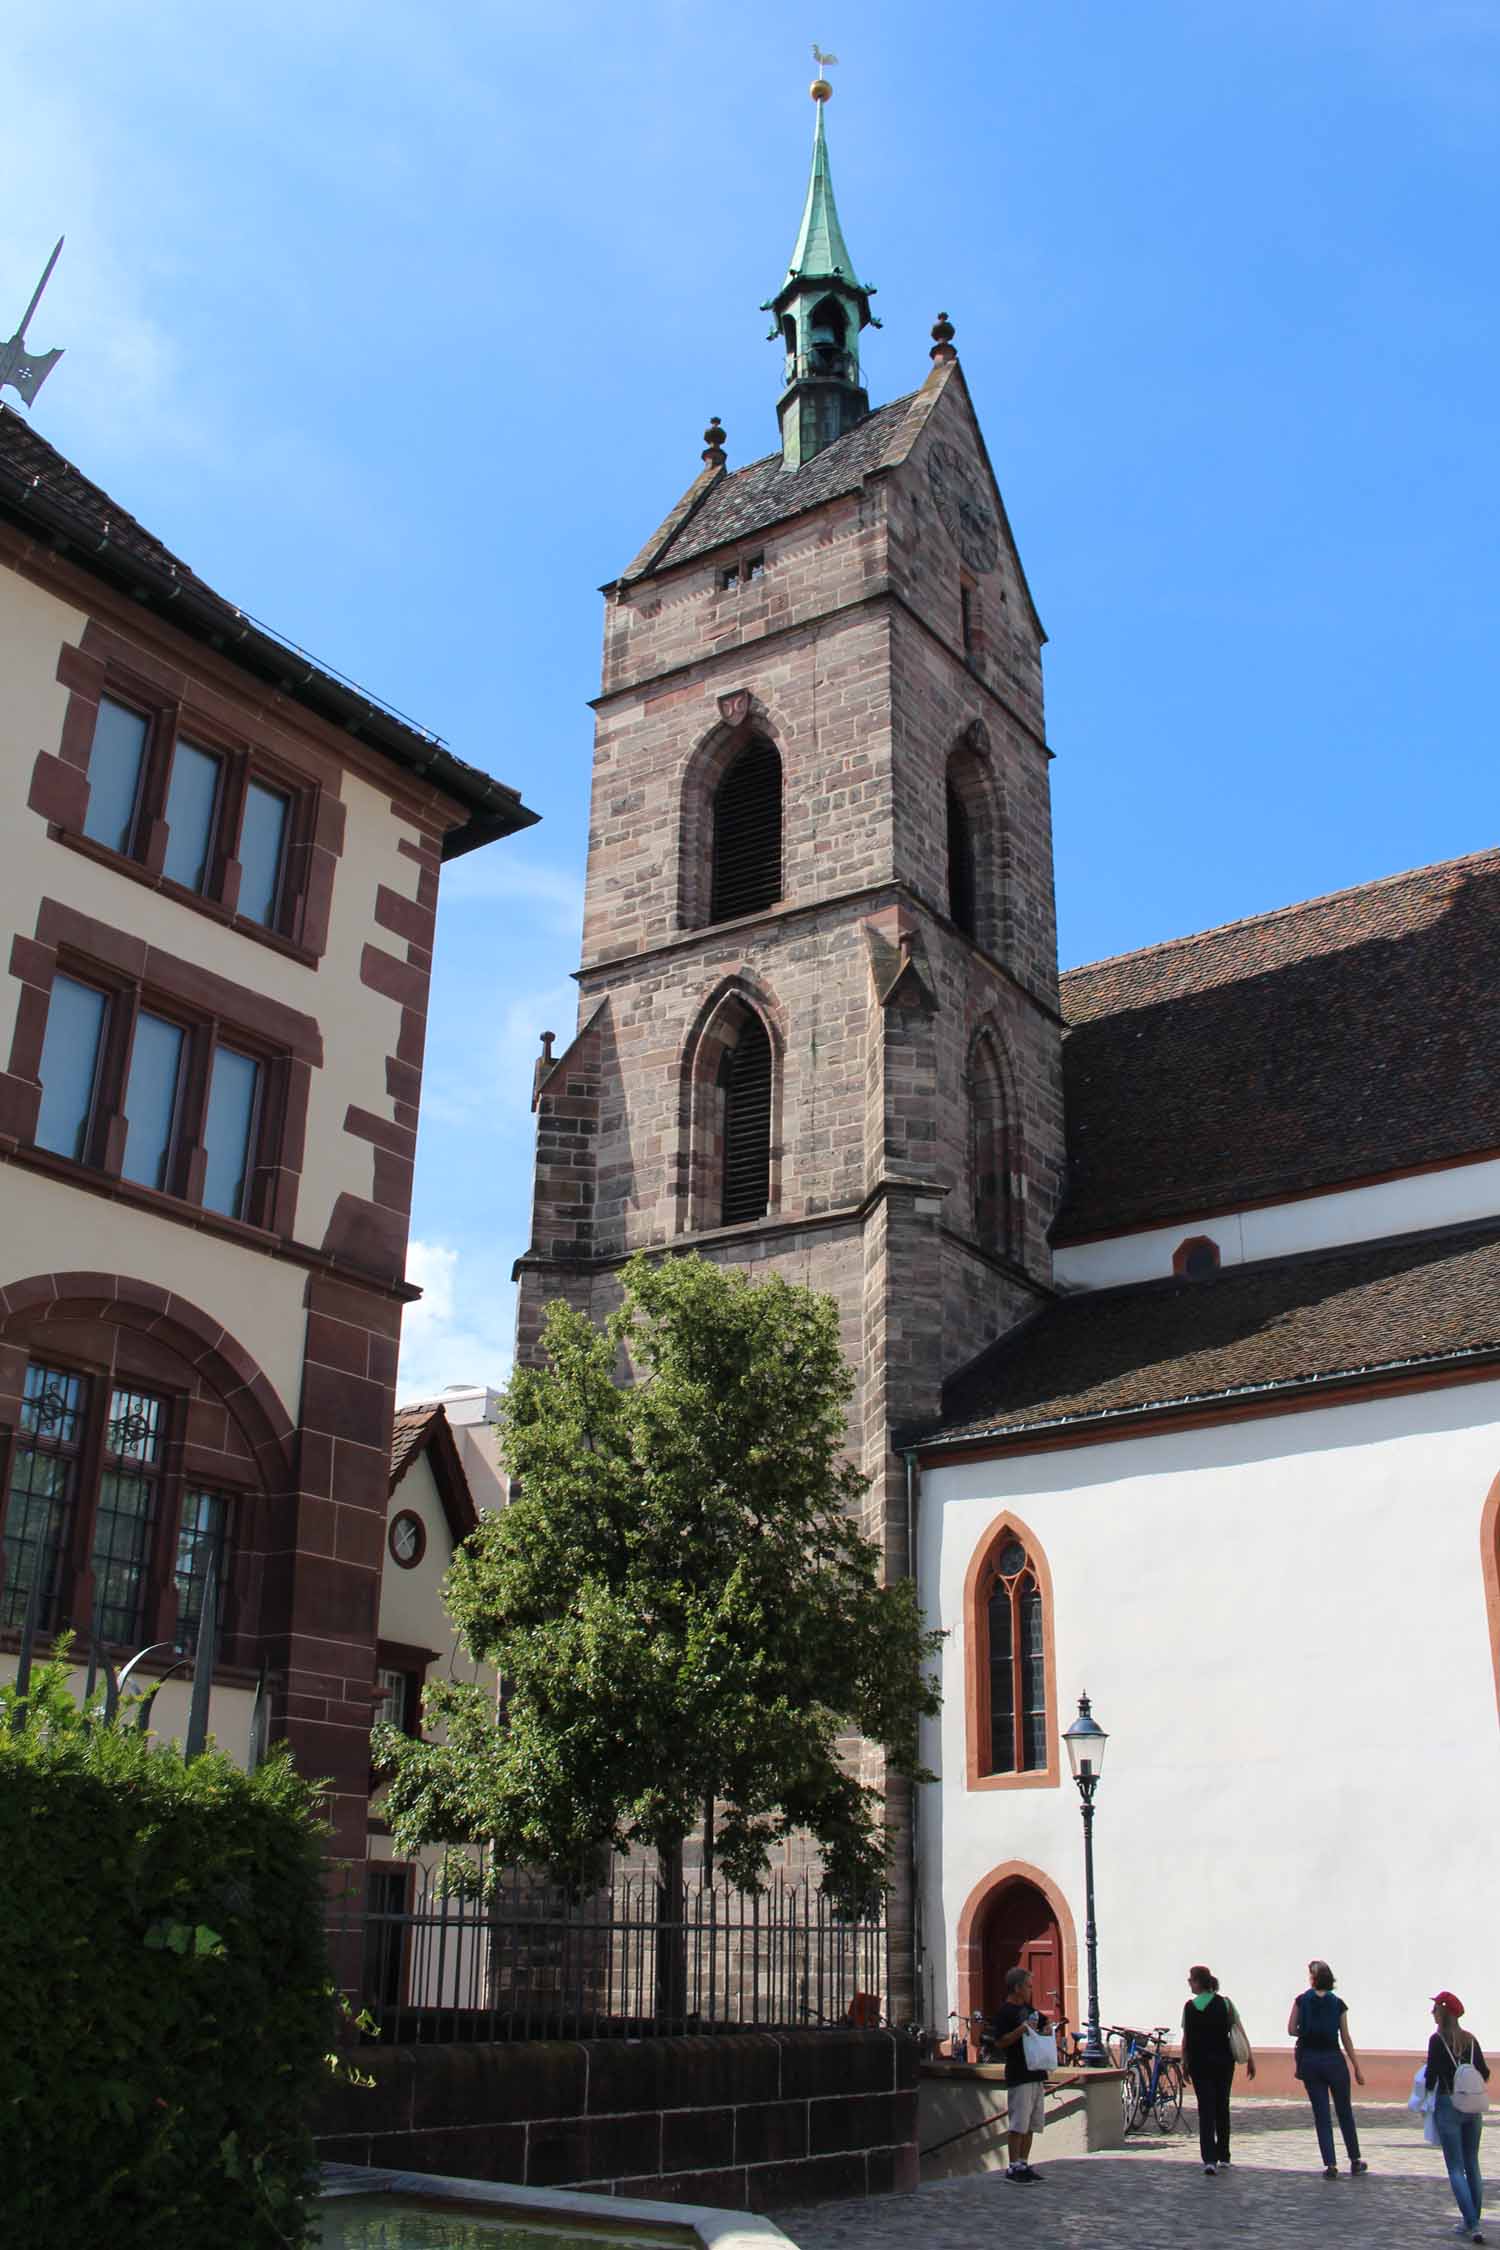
(1153,2195)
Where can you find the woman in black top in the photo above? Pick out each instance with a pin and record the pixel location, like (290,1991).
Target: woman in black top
(1457,2130)
(1319,2022)
(1208,2060)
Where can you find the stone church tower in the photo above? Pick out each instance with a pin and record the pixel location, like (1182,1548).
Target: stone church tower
(818,1028)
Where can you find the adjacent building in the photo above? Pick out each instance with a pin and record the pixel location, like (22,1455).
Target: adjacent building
(220,875)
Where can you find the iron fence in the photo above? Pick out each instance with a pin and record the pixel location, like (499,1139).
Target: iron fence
(530,1960)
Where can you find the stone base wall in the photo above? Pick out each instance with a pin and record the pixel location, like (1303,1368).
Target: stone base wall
(750,2121)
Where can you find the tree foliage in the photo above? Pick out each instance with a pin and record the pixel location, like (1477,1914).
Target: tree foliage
(168,2004)
(682,1609)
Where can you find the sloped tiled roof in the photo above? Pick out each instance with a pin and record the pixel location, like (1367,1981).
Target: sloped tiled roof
(1249,1332)
(409,1434)
(1351,1036)
(42,492)
(751,499)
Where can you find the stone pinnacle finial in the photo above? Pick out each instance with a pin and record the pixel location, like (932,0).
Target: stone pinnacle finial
(547,1039)
(713,443)
(942,338)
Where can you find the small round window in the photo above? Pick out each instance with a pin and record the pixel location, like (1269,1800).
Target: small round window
(1011,1558)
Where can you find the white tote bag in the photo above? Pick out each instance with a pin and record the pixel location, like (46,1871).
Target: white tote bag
(1239,2037)
(1039,2048)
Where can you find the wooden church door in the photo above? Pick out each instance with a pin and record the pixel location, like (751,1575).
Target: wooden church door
(1021,1931)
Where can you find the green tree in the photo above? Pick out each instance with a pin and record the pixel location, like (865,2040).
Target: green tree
(684,1614)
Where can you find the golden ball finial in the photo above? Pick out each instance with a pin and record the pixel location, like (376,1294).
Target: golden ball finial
(820,90)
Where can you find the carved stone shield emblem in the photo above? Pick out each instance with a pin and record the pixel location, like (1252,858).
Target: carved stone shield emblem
(734,708)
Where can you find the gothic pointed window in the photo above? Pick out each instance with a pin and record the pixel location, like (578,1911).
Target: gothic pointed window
(745,1084)
(1012,1630)
(991,1156)
(747,835)
(961,898)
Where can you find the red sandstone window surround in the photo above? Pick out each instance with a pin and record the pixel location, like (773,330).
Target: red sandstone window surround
(137,1085)
(183,802)
(99,1510)
(1009,1663)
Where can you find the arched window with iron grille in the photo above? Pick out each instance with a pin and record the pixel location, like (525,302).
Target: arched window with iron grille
(745,1088)
(747,834)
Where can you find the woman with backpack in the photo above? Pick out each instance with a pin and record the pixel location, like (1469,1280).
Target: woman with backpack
(1319,2022)
(1456,2072)
(1213,2041)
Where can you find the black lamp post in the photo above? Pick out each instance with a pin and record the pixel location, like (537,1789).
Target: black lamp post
(1085,1739)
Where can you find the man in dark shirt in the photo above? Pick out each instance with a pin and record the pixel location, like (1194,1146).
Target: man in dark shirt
(1024,2088)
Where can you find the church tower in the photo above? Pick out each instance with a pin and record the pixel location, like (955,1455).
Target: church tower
(818,1027)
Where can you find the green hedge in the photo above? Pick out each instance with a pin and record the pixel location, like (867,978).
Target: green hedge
(166,1992)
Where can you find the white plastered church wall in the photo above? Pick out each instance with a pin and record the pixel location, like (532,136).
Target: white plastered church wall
(1282,1624)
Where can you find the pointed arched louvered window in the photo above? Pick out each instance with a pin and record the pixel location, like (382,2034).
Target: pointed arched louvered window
(747,835)
(991,1158)
(961,885)
(745,1082)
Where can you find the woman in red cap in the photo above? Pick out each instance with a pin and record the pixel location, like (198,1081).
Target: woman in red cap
(1458,2122)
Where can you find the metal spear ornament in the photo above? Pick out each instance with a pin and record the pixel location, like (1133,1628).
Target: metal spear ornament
(27,371)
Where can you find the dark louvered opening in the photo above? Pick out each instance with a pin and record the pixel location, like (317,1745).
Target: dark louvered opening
(747,834)
(960,863)
(745,1076)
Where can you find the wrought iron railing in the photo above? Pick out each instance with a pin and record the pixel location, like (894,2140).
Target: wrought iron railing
(530,1960)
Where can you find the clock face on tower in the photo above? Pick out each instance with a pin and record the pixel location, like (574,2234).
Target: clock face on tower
(960,501)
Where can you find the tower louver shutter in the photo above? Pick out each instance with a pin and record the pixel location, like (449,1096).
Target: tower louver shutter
(746,1080)
(960,864)
(747,834)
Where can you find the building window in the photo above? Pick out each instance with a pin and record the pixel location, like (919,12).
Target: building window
(1196,1259)
(755,568)
(745,1085)
(1013,1624)
(747,835)
(729,578)
(991,1155)
(218,822)
(90,1492)
(398,1698)
(205,1524)
(169,1102)
(975,898)
(960,864)
(968,613)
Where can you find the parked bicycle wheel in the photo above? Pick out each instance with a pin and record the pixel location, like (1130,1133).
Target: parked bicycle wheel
(1168,2104)
(1133,2095)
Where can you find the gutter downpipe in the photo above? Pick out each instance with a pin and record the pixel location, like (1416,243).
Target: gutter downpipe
(917,1942)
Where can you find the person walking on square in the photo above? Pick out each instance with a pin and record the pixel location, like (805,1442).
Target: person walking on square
(1319,2022)
(1208,2060)
(1458,2122)
(1025,2088)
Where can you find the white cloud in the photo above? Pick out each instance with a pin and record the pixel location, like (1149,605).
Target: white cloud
(462,1328)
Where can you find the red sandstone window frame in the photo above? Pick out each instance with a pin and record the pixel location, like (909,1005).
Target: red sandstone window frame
(205,1035)
(980,1580)
(286,1044)
(299,917)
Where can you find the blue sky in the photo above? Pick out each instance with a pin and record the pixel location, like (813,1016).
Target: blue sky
(402,326)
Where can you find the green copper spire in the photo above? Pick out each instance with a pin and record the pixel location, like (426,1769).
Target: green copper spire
(821,254)
(819,311)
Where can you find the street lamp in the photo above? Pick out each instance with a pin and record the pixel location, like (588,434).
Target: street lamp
(1085,1739)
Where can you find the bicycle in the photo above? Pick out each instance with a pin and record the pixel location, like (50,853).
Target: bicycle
(1153,2082)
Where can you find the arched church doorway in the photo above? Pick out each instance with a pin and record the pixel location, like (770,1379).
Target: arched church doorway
(1019,1930)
